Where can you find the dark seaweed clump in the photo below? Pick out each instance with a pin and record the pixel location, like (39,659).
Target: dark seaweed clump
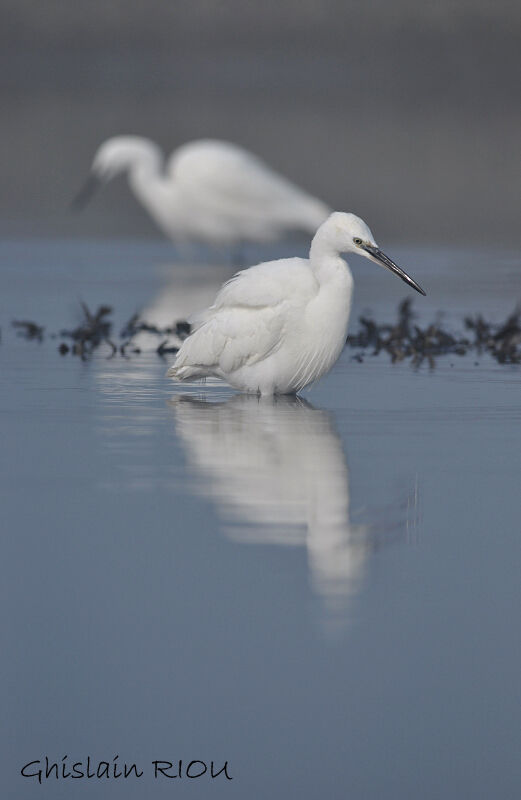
(403,340)
(406,340)
(503,342)
(135,325)
(93,330)
(96,327)
(28,330)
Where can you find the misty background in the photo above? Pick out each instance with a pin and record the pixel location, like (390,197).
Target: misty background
(406,113)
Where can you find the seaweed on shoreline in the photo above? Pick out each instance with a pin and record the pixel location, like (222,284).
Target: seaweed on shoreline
(402,340)
(94,330)
(28,330)
(406,340)
(503,342)
(135,325)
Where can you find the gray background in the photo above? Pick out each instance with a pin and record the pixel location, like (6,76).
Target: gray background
(406,113)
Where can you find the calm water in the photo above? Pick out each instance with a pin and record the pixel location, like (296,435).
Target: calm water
(324,592)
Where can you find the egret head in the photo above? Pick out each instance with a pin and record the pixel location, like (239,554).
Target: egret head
(117,155)
(350,234)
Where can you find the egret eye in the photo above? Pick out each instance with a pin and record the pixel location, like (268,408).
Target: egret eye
(357,241)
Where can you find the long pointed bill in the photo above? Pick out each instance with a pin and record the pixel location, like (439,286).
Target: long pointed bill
(89,188)
(385,261)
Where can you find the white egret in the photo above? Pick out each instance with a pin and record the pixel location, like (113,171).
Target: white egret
(208,191)
(280,325)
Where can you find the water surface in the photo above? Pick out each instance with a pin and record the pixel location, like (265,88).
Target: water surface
(322,591)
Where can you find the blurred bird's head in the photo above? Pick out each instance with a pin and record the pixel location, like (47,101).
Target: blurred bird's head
(120,154)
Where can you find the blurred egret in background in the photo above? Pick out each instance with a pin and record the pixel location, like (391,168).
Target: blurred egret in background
(280,325)
(209,191)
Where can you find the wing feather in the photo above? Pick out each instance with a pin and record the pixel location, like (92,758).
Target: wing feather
(249,318)
(233,338)
(268,284)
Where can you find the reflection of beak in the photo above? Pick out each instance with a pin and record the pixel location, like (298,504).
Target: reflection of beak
(89,188)
(380,258)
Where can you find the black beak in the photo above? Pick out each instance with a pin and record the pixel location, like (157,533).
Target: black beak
(381,258)
(89,188)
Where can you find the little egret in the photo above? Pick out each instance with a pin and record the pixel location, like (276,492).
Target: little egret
(208,191)
(278,326)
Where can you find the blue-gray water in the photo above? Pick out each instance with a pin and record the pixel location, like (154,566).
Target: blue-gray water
(324,593)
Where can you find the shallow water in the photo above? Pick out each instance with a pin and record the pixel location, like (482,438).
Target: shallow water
(323,592)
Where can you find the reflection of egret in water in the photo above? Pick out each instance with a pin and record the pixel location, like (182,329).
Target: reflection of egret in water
(277,473)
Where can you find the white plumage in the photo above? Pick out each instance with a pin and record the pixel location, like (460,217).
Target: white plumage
(280,325)
(208,191)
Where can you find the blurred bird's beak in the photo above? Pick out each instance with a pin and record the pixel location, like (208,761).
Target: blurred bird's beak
(380,258)
(89,188)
